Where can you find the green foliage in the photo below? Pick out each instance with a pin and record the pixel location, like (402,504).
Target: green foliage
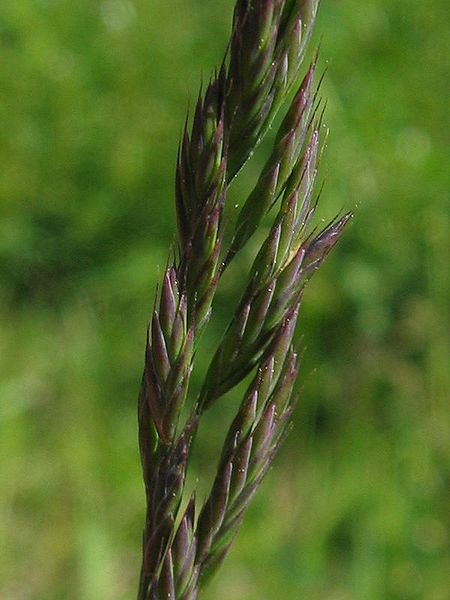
(93,95)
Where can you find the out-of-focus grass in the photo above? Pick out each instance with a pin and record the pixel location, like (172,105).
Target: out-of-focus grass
(93,99)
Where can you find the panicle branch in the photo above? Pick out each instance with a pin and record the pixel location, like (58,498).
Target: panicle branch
(268,44)
(249,448)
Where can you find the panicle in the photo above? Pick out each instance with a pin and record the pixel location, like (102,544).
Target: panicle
(267,47)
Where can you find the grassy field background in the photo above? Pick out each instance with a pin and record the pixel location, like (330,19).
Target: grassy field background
(92,101)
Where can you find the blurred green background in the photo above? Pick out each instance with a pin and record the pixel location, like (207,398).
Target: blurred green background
(92,100)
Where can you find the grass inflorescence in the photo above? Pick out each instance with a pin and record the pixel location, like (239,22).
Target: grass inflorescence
(184,544)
